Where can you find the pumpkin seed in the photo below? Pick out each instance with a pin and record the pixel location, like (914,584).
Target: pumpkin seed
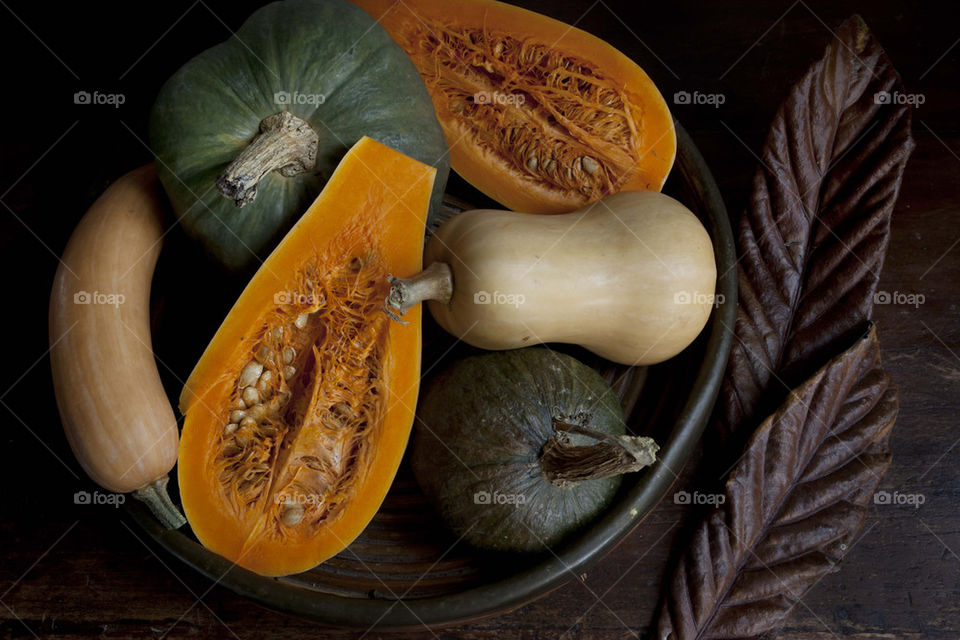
(268,430)
(590,165)
(532,163)
(251,396)
(237,415)
(301,321)
(263,353)
(248,423)
(289,372)
(289,354)
(292,514)
(250,374)
(230,428)
(263,384)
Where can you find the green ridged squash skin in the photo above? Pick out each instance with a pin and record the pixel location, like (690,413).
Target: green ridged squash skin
(485,420)
(211,109)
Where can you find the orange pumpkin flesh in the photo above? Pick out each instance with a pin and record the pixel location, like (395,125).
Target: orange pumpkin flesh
(540,116)
(310,461)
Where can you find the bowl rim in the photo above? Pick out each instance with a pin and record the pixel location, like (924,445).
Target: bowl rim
(573,557)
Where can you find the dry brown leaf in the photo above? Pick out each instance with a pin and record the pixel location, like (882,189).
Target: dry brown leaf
(793,506)
(814,236)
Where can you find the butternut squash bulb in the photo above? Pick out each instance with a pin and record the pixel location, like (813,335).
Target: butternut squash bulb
(539,115)
(298,412)
(630,277)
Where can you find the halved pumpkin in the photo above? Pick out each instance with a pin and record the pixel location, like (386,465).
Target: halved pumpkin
(539,115)
(299,410)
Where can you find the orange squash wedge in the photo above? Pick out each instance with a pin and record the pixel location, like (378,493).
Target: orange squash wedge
(539,115)
(299,410)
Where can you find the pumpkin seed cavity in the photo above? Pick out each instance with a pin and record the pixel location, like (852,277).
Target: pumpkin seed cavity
(558,119)
(300,421)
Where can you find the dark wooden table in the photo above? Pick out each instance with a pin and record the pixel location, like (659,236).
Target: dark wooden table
(71,571)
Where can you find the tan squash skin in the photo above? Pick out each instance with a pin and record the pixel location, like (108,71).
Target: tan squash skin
(612,277)
(115,413)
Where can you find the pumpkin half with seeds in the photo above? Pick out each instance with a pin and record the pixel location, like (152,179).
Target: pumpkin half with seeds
(298,412)
(539,115)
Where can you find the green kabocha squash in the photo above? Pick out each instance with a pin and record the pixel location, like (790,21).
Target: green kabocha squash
(247,133)
(519,449)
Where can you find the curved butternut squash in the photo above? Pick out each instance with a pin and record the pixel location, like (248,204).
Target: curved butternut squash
(115,412)
(298,412)
(539,115)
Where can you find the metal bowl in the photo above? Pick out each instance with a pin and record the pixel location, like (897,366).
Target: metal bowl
(406,571)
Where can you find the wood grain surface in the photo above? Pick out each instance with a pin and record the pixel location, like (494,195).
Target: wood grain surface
(80,571)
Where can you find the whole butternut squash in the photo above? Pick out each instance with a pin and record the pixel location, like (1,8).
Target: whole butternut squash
(630,277)
(115,412)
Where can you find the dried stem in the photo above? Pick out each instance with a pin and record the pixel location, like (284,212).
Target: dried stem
(285,144)
(433,283)
(565,464)
(155,496)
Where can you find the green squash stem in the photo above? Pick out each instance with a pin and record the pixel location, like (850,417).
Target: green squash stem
(155,496)
(286,144)
(565,464)
(433,283)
